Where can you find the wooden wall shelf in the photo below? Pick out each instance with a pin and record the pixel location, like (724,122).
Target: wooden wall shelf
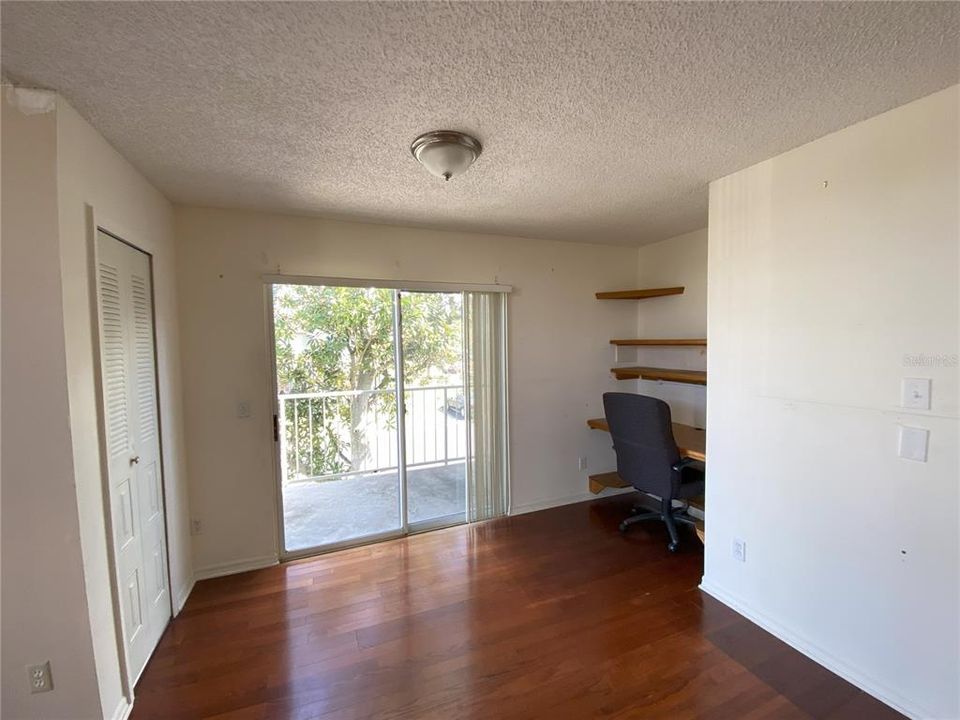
(673,342)
(613,480)
(691,441)
(606,480)
(692,377)
(639,294)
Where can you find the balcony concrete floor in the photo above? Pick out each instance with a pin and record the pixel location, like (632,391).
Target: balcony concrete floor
(321,513)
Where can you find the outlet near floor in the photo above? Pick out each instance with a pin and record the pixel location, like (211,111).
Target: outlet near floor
(40,678)
(739,549)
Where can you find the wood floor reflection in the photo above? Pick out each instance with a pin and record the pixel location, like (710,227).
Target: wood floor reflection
(548,615)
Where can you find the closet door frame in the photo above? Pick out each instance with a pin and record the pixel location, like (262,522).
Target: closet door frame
(97,223)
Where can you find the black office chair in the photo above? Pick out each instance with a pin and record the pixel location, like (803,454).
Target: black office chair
(648,459)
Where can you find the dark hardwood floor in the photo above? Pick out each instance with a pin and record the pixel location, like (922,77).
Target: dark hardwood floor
(548,615)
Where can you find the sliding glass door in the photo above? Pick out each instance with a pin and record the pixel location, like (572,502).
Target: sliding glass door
(356,370)
(335,357)
(435,413)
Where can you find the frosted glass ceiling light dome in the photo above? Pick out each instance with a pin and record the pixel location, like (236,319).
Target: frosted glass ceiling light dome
(446,153)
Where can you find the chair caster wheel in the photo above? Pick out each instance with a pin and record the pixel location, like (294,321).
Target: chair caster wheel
(672,547)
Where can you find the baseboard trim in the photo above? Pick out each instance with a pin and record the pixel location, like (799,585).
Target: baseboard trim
(182,595)
(817,654)
(122,711)
(566,500)
(232,568)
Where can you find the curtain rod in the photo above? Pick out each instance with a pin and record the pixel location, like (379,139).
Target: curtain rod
(411,285)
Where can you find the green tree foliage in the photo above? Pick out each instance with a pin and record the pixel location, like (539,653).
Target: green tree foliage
(341,339)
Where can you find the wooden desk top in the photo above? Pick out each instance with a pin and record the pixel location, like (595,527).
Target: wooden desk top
(691,441)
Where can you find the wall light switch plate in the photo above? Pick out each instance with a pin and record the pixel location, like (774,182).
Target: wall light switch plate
(243,409)
(915,393)
(913,443)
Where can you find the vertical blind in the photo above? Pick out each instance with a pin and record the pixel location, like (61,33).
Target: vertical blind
(485,394)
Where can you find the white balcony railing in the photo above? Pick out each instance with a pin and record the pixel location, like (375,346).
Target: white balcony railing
(353,432)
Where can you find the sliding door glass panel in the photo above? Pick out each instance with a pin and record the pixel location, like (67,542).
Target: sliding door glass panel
(434,423)
(337,413)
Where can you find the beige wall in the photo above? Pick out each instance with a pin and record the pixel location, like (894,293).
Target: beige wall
(44,608)
(681,260)
(559,352)
(92,175)
(818,297)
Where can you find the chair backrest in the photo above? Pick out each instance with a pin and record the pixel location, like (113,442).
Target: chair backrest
(642,432)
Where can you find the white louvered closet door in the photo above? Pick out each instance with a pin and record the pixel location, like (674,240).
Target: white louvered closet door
(133,445)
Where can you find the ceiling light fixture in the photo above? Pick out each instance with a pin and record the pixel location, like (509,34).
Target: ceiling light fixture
(446,153)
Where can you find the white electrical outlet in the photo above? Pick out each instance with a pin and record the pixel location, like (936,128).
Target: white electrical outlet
(915,393)
(243,409)
(739,549)
(582,462)
(196,527)
(41,679)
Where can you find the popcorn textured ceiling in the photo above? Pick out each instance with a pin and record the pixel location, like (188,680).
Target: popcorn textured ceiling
(601,122)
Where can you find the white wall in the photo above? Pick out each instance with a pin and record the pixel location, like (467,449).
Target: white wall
(559,352)
(681,260)
(56,579)
(44,608)
(91,174)
(817,295)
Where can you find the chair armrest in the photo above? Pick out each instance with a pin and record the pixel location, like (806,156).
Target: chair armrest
(689,463)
